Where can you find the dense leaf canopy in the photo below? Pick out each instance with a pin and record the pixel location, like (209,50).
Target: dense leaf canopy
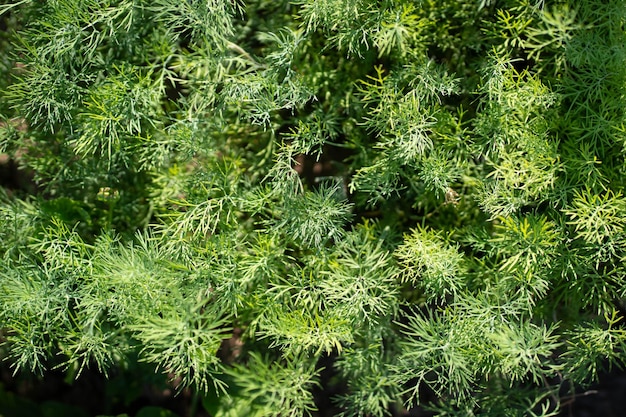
(425,196)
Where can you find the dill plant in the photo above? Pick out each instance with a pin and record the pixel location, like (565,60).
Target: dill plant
(422,195)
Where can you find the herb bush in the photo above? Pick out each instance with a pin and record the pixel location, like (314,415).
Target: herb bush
(422,199)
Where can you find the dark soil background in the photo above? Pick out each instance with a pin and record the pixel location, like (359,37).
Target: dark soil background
(604,399)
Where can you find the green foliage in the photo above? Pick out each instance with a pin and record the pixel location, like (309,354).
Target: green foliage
(273,389)
(264,200)
(428,262)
